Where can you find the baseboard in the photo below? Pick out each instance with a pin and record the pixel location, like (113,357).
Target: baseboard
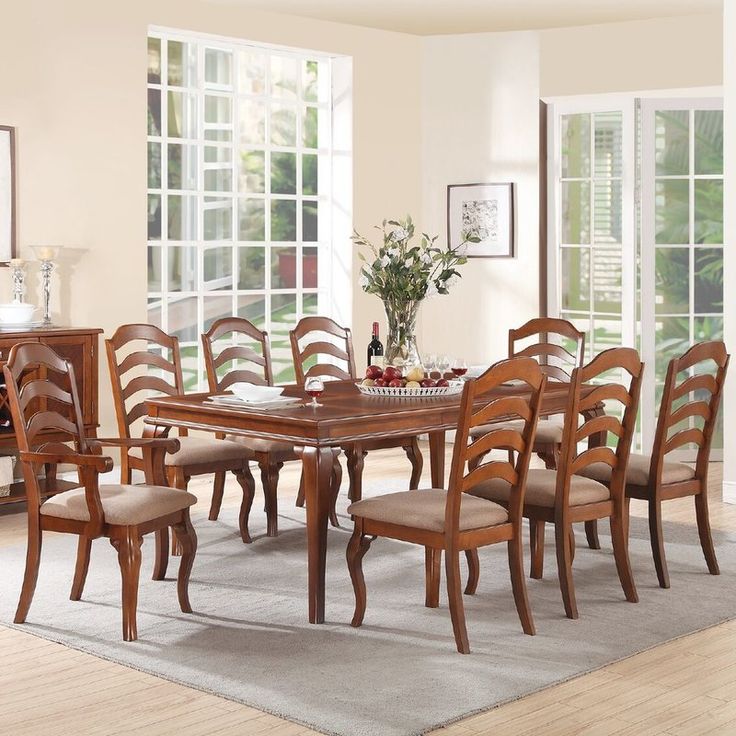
(729,491)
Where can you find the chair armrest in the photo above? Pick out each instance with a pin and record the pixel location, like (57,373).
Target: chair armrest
(98,463)
(170,444)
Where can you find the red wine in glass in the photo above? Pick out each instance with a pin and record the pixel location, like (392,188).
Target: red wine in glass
(459,367)
(314,387)
(459,371)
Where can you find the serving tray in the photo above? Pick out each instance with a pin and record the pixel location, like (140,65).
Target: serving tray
(455,387)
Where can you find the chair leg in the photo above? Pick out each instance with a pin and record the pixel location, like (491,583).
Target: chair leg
(128,547)
(270,479)
(455,599)
(181,481)
(218,489)
(706,539)
(84,547)
(33,560)
(161,561)
(657,541)
(336,482)
(564,569)
(356,457)
(248,484)
(591,534)
(188,539)
(621,555)
(518,584)
(536,536)
(357,547)
(471,555)
(432,562)
(417,462)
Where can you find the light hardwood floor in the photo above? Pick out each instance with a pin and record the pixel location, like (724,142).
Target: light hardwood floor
(684,688)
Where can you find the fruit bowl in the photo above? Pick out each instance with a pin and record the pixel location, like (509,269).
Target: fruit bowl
(455,387)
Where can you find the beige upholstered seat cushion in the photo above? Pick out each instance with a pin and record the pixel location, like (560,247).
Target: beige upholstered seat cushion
(123,505)
(540,489)
(548,430)
(280,450)
(197,450)
(425,509)
(637,471)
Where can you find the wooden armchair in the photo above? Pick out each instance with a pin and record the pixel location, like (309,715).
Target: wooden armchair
(693,398)
(308,346)
(122,513)
(564,496)
(557,362)
(150,348)
(453,521)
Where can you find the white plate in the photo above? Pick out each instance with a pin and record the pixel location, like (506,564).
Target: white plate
(278,402)
(7,327)
(253,394)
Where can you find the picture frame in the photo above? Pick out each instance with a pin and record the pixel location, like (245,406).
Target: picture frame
(7,194)
(486,211)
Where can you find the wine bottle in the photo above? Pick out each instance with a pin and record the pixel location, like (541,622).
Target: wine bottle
(375,348)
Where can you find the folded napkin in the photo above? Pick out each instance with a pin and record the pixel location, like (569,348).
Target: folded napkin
(251,393)
(6,474)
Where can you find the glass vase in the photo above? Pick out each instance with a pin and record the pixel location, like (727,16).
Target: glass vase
(401,341)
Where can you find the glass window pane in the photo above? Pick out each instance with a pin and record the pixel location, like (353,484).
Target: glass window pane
(252,122)
(575,145)
(176,71)
(154,112)
(182,268)
(218,67)
(251,268)
(283,268)
(253,308)
(155,316)
(606,333)
(672,338)
(251,219)
(575,278)
(283,125)
(252,79)
(672,142)
(310,227)
(224,135)
(708,280)
(190,366)
(217,268)
(283,219)
(183,317)
(608,144)
(218,180)
(252,172)
(310,305)
(607,279)
(218,218)
(310,80)
(582,323)
(709,141)
(283,173)
(575,212)
(309,174)
(154,165)
(283,318)
(709,211)
(154,217)
(708,328)
(182,217)
(182,115)
(182,166)
(309,267)
(672,211)
(218,110)
(217,154)
(607,211)
(310,128)
(154,60)
(284,73)
(214,308)
(672,287)
(154,268)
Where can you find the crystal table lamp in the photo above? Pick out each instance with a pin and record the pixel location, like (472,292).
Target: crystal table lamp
(46,254)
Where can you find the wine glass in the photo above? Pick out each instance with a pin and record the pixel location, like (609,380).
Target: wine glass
(443,364)
(314,387)
(459,367)
(429,361)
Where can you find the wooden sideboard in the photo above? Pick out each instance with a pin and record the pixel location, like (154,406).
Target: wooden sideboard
(80,346)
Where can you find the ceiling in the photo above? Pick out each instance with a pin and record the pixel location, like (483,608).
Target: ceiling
(432,17)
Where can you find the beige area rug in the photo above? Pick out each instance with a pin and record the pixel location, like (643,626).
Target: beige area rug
(249,640)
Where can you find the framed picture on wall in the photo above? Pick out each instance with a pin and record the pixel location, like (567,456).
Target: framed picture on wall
(7,193)
(483,211)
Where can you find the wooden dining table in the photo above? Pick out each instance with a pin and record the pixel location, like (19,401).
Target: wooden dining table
(345,417)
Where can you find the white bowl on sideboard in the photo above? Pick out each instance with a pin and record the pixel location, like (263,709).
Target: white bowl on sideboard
(16,313)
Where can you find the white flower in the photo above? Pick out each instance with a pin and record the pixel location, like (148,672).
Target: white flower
(394,252)
(363,280)
(385,261)
(398,234)
(431,289)
(409,262)
(452,281)
(426,258)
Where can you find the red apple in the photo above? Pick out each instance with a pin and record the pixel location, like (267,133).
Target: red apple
(427,383)
(442,382)
(396,383)
(390,372)
(380,382)
(374,371)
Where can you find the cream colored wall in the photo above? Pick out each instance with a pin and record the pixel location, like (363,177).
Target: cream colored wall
(73,83)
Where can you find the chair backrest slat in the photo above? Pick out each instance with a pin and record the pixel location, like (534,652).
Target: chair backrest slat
(307,341)
(544,349)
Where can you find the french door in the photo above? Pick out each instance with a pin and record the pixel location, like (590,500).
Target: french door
(635,228)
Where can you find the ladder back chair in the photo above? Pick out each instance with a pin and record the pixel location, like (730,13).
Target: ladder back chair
(454,521)
(564,496)
(141,347)
(692,395)
(559,347)
(310,343)
(120,512)
(247,358)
